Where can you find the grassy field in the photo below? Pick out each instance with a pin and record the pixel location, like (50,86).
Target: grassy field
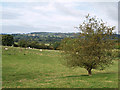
(31,68)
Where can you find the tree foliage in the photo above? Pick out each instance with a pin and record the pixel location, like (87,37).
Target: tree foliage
(32,44)
(7,40)
(56,45)
(22,43)
(92,49)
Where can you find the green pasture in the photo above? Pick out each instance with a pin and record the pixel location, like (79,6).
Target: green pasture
(32,68)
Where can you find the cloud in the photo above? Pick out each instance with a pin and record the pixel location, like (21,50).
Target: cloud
(9,15)
(108,11)
(42,28)
(60,0)
(53,16)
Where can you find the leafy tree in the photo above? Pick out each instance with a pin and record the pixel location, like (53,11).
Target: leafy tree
(33,44)
(92,49)
(7,40)
(56,45)
(22,43)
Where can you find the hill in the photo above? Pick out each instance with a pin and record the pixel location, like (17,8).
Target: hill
(47,37)
(31,68)
(44,37)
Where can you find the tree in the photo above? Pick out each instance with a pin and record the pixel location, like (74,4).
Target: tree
(7,40)
(22,43)
(92,49)
(33,44)
(56,45)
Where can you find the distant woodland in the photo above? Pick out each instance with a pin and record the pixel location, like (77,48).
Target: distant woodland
(44,40)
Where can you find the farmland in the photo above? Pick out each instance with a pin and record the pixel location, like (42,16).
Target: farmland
(32,68)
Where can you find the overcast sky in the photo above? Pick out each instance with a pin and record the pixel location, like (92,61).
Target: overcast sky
(53,16)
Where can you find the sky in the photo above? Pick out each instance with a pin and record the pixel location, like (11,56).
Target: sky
(54,15)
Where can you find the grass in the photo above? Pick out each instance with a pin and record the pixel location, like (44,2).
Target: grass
(30,68)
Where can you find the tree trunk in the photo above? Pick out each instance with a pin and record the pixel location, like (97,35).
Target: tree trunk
(89,71)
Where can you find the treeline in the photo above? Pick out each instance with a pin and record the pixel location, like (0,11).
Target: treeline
(8,40)
(37,45)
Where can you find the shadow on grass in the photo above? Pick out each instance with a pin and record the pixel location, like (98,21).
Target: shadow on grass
(77,75)
(108,74)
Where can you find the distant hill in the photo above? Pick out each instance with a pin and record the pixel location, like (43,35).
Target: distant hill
(44,37)
(47,37)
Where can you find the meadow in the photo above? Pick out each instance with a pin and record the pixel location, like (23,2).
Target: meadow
(32,68)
